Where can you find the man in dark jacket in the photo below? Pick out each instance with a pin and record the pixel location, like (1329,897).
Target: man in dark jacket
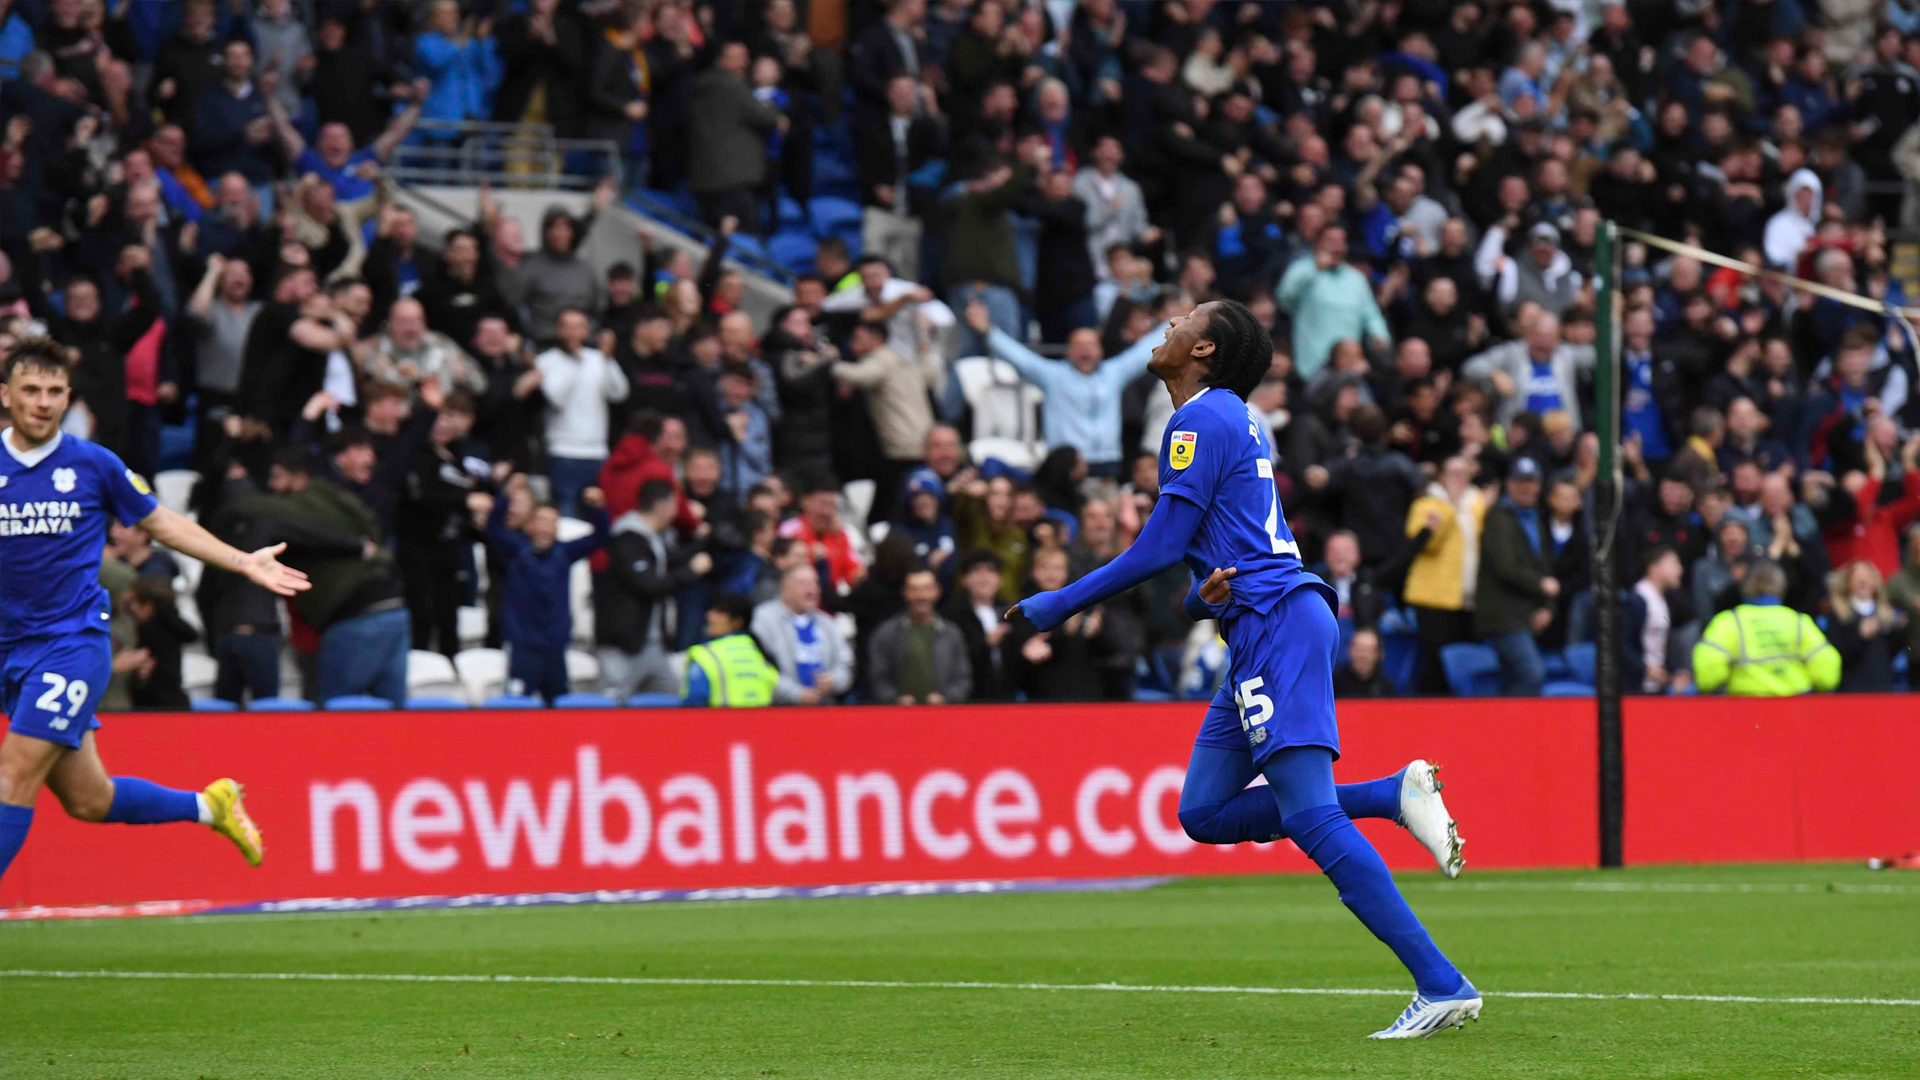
(889,147)
(356,604)
(1373,487)
(434,526)
(917,657)
(230,126)
(974,609)
(1514,597)
(635,609)
(1063,289)
(980,260)
(728,161)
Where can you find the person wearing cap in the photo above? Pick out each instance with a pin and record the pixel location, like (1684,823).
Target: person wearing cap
(1764,648)
(1514,595)
(922,517)
(1537,373)
(1542,273)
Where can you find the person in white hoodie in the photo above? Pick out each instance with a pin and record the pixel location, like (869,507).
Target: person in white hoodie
(579,383)
(1789,230)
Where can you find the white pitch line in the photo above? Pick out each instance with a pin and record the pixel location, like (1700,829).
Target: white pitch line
(888,984)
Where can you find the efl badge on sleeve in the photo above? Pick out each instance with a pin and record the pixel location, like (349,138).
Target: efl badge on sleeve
(1180,449)
(139,482)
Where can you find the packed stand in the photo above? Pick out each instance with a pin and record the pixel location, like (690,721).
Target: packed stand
(637,487)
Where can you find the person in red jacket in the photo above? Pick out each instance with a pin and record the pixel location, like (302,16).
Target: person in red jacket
(1872,528)
(650,450)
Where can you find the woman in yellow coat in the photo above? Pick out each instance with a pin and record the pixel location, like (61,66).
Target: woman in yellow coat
(1441,577)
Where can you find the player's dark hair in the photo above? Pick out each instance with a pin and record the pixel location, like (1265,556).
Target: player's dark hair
(1243,350)
(653,493)
(38,354)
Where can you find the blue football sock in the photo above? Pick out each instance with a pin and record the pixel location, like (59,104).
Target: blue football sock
(1373,798)
(14,823)
(143,802)
(1328,837)
(1217,806)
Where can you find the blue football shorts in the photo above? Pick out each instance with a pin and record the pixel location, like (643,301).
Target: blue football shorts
(1279,686)
(49,687)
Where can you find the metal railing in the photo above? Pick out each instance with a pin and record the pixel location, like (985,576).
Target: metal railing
(466,153)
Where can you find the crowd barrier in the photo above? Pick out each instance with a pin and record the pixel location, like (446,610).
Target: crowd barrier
(403,804)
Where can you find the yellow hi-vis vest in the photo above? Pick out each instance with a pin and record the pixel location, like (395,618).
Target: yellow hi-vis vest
(737,675)
(1765,650)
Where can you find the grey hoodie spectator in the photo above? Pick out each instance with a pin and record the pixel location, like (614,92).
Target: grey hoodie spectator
(556,277)
(1536,374)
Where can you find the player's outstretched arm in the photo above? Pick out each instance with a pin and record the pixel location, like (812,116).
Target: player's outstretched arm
(186,536)
(1162,540)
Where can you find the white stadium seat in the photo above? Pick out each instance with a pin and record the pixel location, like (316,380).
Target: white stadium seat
(174,488)
(430,674)
(482,671)
(583,671)
(472,622)
(1014,452)
(197,673)
(1003,403)
(859,502)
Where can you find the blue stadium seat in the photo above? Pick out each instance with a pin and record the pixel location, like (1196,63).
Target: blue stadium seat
(653,701)
(791,212)
(794,249)
(1400,658)
(585,701)
(1141,693)
(1580,661)
(1567,689)
(213,704)
(832,214)
(280,704)
(1472,670)
(513,701)
(432,702)
(358,702)
(1554,666)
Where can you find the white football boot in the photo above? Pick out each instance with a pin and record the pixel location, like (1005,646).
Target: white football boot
(1423,814)
(1427,1015)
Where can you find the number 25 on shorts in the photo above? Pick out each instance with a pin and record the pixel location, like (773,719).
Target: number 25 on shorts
(1249,698)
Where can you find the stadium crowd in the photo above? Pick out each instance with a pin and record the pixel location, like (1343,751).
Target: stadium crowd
(1406,191)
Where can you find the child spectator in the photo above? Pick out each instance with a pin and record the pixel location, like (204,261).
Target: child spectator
(161,634)
(536,618)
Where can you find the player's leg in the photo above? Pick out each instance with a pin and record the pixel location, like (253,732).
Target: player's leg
(1217,807)
(25,762)
(88,793)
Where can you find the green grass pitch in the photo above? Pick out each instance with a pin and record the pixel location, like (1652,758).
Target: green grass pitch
(1811,932)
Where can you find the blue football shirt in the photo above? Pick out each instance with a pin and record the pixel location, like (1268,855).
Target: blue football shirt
(54,504)
(1218,457)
